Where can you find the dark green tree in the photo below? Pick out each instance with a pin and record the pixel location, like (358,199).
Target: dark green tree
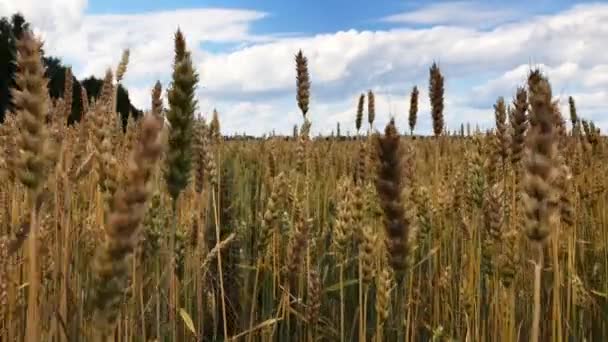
(11,30)
(7,67)
(19,25)
(93,86)
(55,72)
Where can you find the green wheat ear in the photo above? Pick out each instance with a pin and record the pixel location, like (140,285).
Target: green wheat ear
(359,117)
(182,105)
(371,107)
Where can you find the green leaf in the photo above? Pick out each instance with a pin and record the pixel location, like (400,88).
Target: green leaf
(187,320)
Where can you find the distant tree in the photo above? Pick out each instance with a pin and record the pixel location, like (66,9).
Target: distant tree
(7,68)
(19,25)
(10,31)
(123,103)
(55,72)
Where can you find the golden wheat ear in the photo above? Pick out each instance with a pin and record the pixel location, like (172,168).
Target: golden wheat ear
(540,196)
(31,101)
(111,264)
(503,138)
(519,125)
(122,66)
(371,107)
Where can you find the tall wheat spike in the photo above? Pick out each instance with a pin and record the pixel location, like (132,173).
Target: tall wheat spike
(573,115)
(436,91)
(359,117)
(30,100)
(502,133)
(540,195)
(178,158)
(413,114)
(302,82)
(519,123)
(389,185)
(111,264)
(371,108)
(182,105)
(68,94)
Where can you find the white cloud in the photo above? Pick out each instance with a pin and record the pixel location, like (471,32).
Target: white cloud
(586,85)
(94,42)
(344,63)
(466,13)
(368,58)
(253,84)
(597,76)
(563,78)
(51,17)
(150,36)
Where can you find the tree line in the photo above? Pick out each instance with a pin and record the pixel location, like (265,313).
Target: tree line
(11,30)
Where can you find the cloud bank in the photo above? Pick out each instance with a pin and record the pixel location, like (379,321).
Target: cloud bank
(252,84)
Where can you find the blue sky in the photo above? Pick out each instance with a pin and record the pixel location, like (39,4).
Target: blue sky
(244,51)
(318,16)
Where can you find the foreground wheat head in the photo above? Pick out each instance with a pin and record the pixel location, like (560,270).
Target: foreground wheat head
(111,265)
(389,185)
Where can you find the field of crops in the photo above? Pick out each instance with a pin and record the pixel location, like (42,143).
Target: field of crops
(168,231)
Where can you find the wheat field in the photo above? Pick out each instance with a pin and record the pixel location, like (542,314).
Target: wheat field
(169,231)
